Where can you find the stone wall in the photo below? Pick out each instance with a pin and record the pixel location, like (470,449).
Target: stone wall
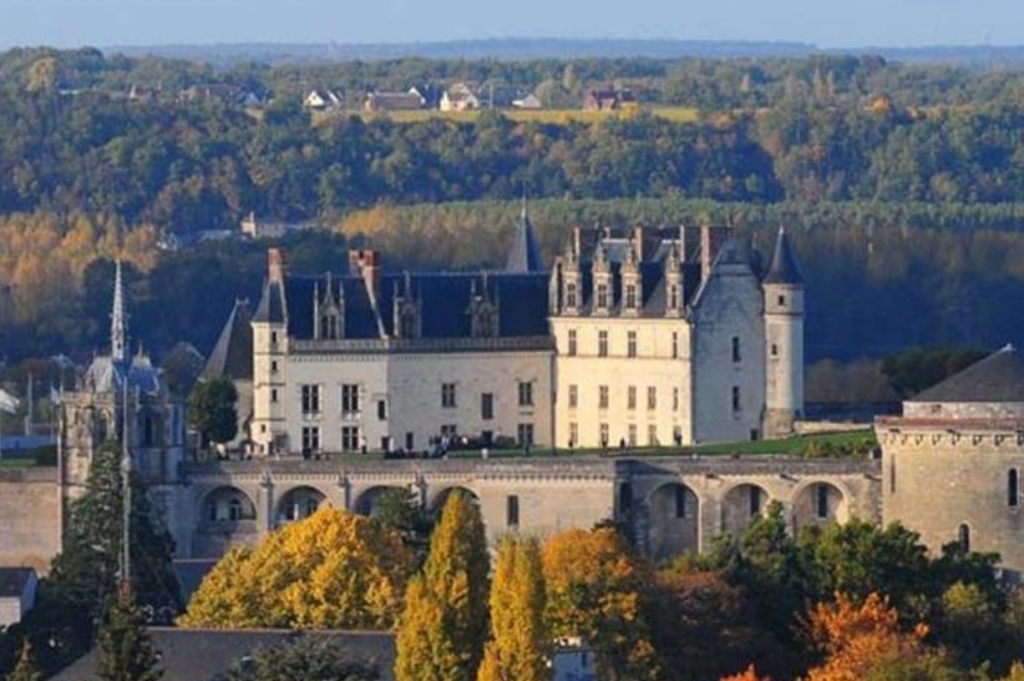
(30,508)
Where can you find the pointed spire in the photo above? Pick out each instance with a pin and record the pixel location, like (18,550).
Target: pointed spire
(524,255)
(783,269)
(118,320)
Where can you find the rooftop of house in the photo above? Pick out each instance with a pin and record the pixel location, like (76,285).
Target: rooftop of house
(996,378)
(13,581)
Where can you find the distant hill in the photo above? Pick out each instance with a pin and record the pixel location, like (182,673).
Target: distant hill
(540,48)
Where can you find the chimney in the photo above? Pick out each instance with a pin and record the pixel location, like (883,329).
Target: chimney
(577,241)
(275,265)
(638,243)
(366,263)
(706,255)
(682,244)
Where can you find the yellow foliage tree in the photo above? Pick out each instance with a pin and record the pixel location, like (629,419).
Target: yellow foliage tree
(596,589)
(425,650)
(749,675)
(520,643)
(333,570)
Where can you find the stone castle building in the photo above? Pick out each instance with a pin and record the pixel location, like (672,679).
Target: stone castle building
(657,338)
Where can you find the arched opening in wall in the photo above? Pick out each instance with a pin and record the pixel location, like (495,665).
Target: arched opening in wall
(674,521)
(228,505)
(741,505)
(369,502)
(437,502)
(299,503)
(819,503)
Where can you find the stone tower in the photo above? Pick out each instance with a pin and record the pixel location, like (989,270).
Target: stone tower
(784,341)
(270,351)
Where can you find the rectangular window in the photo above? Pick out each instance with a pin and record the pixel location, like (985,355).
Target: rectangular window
(605,434)
(822,502)
(349,438)
(631,344)
(682,509)
(631,398)
(524,433)
(410,442)
(310,440)
(273,395)
(630,296)
(1013,487)
(755,500)
(350,398)
(512,510)
(525,393)
(735,348)
(735,398)
(572,342)
(449,430)
(673,297)
(574,434)
(273,337)
(487,406)
(310,399)
(602,296)
(382,410)
(602,397)
(273,366)
(775,350)
(652,398)
(570,295)
(782,301)
(675,345)
(675,399)
(652,435)
(574,396)
(602,343)
(448,395)
(631,432)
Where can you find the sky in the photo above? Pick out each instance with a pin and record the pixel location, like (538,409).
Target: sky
(825,23)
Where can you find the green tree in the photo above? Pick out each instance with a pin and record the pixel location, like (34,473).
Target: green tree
(211,409)
(453,592)
(25,669)
(520,642)
(126,650)
(310,658)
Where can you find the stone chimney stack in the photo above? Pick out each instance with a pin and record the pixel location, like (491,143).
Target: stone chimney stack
(706,252)
(365,263)
(275,265)
(638,242)
(577,241)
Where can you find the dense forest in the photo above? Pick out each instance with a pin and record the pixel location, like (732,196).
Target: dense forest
(901,184)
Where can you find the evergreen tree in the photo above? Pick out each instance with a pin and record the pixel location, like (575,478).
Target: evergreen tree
(445,616)
(127,652)
(86,573)
(520,644)
(26,669)
(212,411)
(310,658)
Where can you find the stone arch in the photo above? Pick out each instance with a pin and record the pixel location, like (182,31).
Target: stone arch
(436,501)
(819,503)
(741,505)
(227,504)
(368,500)
(298,503)
(674,511)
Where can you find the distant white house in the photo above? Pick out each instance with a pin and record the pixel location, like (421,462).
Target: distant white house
(459,97)
(529,101)
(322,99)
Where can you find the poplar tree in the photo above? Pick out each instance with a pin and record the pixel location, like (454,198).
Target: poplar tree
(520,643)
(127,652)
(451,601)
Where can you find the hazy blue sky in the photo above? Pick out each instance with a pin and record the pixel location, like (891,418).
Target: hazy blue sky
(828,23)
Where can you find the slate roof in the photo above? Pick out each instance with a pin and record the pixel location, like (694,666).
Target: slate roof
(783,268)
(13,581)
(996,378)
(232,355)
(106,375)
(272,307)
(444,297)
(524,255)
(204,654)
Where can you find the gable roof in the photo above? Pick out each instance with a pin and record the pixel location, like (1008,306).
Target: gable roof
(997,378)
(204,654)
(232,355)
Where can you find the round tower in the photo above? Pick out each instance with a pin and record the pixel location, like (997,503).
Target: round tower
(783,288)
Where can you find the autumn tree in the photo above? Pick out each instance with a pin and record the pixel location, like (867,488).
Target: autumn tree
(749,674)
(332,570)
(126,650)
(520,641)
(310,658)
(452,597)
(596,589)
(25,669)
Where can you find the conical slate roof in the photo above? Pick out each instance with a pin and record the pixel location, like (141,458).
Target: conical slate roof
(997,378)
(783,269)
(232,355)
(524,256)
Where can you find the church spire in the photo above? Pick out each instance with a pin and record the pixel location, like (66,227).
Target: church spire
(118,320)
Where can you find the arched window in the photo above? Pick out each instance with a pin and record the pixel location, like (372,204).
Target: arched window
(964,537)
(1012,487)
